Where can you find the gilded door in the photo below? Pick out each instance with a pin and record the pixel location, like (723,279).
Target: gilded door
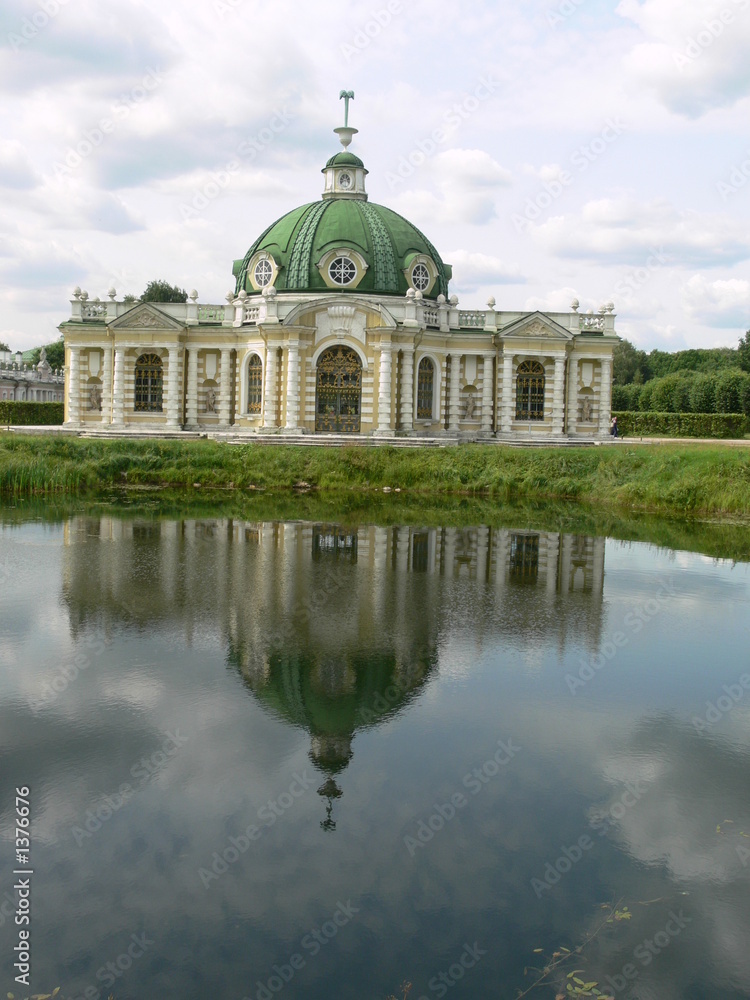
(338,391)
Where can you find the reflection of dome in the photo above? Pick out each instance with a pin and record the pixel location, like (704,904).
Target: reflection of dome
(296,252)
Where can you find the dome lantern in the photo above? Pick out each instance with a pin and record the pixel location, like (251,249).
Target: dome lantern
(345,173)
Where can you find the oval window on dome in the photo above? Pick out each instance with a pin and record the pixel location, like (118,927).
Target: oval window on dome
(263,273)
(342,271)
(420,277)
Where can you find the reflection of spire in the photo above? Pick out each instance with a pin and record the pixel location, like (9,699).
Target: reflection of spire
(329,790)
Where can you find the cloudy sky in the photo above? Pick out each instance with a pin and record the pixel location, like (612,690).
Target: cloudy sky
(550,149)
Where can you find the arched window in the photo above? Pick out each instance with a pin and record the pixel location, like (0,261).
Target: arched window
(149,380)
(425,389)
(420,277)
(530,391)
(254,384)
(342,271)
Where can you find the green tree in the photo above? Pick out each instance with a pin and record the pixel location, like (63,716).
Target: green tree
(744,352)
(703,394)
(729,385)
(629,364)
(55,354)
(4,346)
(162,291)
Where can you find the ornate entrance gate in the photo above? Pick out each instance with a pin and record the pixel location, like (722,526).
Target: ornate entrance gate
(338,391)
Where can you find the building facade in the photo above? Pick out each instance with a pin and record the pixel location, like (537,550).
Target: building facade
(340,322)
(28,384)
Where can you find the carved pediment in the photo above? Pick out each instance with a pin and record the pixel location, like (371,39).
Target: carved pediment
(146,317)
(536,325)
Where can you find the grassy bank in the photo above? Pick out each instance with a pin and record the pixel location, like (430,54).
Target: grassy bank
(675,479)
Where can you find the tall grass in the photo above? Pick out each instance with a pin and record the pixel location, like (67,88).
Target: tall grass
(683,479)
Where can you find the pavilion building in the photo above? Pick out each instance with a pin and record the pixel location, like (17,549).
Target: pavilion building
(340,322)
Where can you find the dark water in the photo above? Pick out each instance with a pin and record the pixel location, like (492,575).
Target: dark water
(316,761)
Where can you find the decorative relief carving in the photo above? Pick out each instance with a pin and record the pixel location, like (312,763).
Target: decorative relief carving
(144,320)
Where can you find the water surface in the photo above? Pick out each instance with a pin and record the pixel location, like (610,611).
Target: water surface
(319,759)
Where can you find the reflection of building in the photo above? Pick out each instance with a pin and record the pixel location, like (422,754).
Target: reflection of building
(340,321)
(331,627)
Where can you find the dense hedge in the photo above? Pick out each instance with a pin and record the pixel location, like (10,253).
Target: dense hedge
(13,413)
(724,391)
(705,425)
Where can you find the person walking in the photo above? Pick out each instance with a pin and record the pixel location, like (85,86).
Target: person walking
(613,427)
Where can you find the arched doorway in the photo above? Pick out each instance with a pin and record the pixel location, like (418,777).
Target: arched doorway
(338,391)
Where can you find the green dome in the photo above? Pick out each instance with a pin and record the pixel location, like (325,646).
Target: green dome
(344,159)
(299,240)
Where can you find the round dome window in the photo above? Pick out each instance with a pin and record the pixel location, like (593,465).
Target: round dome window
(420,277)
(342,271)
(263,273)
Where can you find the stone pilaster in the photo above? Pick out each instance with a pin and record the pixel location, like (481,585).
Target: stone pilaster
(292,387)
(384,390)
(487,379)
(573,363)
(74,386)
(225,386)
(192,388)
(605,397)
(269,389)
(407,391)
(558,397)
(506,410)
(453,415)
(173,388)
(107,385)
(118,388)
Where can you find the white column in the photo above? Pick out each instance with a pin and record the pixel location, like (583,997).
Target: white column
(573,363)
(118,387)
(74,386)
(407,391)
(487,376)
(173,388)
(192,388)
(269,390)
(506,410)
(107,385)
(605,397)
(384,390)
(292,387)
(453,415)
(225,386)
(558,398)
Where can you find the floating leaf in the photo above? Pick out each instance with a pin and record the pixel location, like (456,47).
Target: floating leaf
(537,951)
(571,974)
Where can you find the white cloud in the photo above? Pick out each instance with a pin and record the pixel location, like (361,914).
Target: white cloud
(725,302)
(645,234)
(477,270)
(695,55)
(465,185)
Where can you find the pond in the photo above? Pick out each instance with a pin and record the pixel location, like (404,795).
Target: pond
(321,759)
